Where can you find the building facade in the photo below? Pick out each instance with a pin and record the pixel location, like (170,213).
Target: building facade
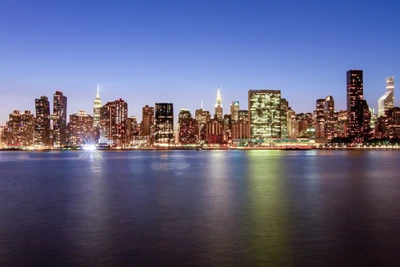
(320,119)
(164,124)
(234,111)
(330,118)
(59,119)
(81,130)
(113,117)
(42,122)
(264,114)
(20,129)
(188,130)
(387,100)
(357,108)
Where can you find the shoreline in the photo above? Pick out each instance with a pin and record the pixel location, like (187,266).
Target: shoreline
(364,148)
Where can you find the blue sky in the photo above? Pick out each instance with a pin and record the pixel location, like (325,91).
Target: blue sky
(149,51)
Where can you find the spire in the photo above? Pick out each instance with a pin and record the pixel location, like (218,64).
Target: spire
(201,105)
(219,100)
(98,90)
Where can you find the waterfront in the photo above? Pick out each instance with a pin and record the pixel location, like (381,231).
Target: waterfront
(200,208)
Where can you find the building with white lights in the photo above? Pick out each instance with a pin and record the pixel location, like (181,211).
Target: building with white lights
(264,114)
(386,101)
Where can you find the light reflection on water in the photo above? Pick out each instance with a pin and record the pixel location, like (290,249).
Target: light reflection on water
(200,208)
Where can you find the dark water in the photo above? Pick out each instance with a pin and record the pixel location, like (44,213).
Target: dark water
(200,208)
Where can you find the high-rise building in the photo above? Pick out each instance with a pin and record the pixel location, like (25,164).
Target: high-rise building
(202,117)
(320,119)
(42,122)
(284,109)
(113,117)
(357,107)
(188,130)
(20,129)
(386,101)
(330,120)
(147,124)
(234,111)
(60,119)
(164,123)
(218,107)
(264,114)
(132,131)
(81,130)
(96,108)
(292,126)
(341,124)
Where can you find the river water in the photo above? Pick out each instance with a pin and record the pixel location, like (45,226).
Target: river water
(200,208)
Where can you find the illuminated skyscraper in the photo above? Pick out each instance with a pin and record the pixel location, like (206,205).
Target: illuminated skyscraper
(284,109)
(387,100)
(113,117)
(264,114)
(96,108)
(218,107)
(80,129)
(202,117)
(330,118)
(164,122)
(234,111)
(188,130)
(320,118)
(357,107)
(147,124)
(42,122)
(60,119)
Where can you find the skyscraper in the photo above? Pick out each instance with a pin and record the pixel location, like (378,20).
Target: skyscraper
(96,108)
(234,111)
(80,129)
(188,131)
(147,124)
(218,107)
(113,117)
(386,101)
(60,119)
(264,114)
(357,107)
(42,122)
(164,120)
(284,109)
(320,118)
(330,119)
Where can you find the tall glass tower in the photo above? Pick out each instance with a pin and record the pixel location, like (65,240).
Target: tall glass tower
(386,101)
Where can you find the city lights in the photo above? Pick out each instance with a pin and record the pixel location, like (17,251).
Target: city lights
(268,123)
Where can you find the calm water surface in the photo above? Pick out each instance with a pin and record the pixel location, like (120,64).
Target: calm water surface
(200,208)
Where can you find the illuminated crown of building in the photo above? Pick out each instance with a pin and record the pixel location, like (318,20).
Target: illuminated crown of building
(219,99)
(97,100)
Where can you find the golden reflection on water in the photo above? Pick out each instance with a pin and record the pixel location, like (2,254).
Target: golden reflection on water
(268,229)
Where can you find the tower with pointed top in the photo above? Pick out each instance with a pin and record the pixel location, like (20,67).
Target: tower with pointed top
(96,108)
(218,107)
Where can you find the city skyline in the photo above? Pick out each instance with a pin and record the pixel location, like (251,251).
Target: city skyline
(149,52)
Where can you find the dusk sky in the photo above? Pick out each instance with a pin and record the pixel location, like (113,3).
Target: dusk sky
(179,51)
